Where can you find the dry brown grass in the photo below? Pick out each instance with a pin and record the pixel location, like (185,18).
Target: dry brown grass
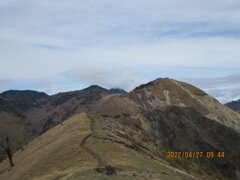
(57,154)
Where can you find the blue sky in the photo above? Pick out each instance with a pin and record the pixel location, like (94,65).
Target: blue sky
(59,45)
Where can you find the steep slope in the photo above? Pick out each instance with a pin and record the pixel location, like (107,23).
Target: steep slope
(234,105)
(185,130)
(81,148)
(20,131)
(37,112)
(177,129)
(42,111)
(169,92)
(59,107)
(173,118)
(13,106)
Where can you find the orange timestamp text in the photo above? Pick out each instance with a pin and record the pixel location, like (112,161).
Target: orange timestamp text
(196,155)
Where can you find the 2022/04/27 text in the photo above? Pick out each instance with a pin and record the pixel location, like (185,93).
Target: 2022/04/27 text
(196,155)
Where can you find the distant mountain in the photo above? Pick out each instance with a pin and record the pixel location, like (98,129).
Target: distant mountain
(20,100)
(131,132)
(23,94)
(234,105)
(118,91)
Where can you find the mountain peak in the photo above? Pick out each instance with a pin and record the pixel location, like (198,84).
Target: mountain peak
(95,87)
(169,92)
(172,84)
(151,83)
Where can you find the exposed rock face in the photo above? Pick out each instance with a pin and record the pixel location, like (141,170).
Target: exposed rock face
(169,92)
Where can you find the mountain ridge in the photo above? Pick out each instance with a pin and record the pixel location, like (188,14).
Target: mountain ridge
(154,118)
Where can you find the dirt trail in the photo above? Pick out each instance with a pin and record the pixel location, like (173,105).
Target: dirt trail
(99,160)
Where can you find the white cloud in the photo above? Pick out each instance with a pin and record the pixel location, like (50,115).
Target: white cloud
(44,39)
(82,22)
(225,89)
(37,62)
(4,81)
(210,82)
(106,75)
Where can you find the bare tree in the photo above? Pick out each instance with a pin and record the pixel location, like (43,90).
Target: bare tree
(6,143)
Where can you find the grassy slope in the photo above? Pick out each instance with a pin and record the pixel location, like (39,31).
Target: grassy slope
(75,149)
(20,132)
